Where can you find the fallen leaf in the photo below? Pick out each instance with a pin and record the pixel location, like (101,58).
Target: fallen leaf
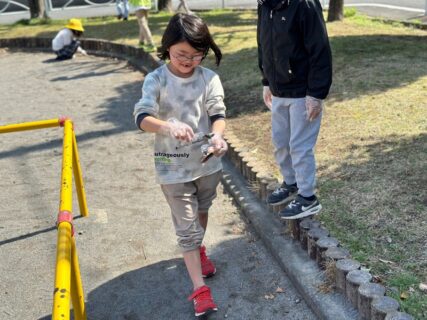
(386,261)
(279,290)
(404,295)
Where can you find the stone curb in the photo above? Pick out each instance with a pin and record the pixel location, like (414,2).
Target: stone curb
(301,270)
(136,57)
(406,23)
(356,295)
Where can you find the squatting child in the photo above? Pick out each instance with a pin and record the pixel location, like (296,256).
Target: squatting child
(65,43)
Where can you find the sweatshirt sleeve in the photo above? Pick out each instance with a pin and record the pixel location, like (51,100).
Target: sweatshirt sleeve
(264,80)
(58,41)
(215,97)
(149,102)
(316,43)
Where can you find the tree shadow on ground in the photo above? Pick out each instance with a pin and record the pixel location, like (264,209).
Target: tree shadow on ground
(159,290)
(116,111)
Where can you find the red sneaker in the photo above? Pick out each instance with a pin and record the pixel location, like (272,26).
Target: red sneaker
(208,268)
(203,302)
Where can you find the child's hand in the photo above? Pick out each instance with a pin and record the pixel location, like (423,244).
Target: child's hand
(178,130)
(314,107)
(218,146)
(82,51)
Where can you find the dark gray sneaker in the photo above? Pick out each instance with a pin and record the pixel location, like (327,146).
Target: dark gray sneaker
(300,208)
(283,194)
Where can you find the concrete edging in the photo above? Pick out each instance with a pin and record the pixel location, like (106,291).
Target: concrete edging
(137,57)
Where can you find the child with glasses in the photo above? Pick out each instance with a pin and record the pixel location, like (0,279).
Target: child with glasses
(181,102)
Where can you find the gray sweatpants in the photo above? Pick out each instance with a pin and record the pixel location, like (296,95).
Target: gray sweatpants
(294,138)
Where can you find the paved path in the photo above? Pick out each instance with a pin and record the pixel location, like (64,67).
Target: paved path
(131,267)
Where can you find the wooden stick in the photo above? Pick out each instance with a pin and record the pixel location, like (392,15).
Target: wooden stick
(322,245)
(381,306)
(343,267)
(354,279)
(368,292)
(313,235)
(305,225)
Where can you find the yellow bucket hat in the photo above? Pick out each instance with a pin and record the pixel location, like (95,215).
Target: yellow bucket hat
(75,24)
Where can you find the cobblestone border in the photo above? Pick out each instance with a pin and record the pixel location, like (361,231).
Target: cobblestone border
(137,57)
(345,273)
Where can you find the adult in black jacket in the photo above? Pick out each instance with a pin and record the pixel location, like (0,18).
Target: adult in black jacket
(296,65)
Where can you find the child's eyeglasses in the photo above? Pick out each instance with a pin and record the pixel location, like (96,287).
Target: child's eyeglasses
(183,58)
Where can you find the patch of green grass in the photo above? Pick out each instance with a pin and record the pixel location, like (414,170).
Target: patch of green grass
(349,12)
(405,289)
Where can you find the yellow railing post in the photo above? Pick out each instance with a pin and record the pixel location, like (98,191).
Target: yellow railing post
(77,294)
(31,125)
(67,272)
(80,189)
(61,298)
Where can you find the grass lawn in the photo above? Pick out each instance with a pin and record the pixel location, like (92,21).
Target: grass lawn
(372,149)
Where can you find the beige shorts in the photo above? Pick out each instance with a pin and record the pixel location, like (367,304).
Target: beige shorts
(186,201)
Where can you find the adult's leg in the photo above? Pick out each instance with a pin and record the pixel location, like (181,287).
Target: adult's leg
(144,30)
(119,8)
(302,142)
(125,9)
(281,131)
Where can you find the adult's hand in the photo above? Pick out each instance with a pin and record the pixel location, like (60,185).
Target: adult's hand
(314,107)
(266,94)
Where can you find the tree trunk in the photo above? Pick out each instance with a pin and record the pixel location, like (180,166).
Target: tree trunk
(165,5)
(38,9)
(336,10)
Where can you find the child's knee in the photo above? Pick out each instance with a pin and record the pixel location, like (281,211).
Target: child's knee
(192,238)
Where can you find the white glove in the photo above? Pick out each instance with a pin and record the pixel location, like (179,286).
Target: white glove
(266,95)
(313,107)
(82,51)
(177,130)
(218,146)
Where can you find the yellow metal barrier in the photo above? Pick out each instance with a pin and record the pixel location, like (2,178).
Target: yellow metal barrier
(68,282)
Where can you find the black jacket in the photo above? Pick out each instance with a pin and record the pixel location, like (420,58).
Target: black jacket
(293,48)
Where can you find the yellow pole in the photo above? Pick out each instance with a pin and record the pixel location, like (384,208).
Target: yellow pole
(61,295)
(77,294)
(66,203)
(80,188)
(61,298)
(30,125)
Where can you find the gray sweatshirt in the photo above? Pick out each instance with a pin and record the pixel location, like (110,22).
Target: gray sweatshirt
(190,100)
